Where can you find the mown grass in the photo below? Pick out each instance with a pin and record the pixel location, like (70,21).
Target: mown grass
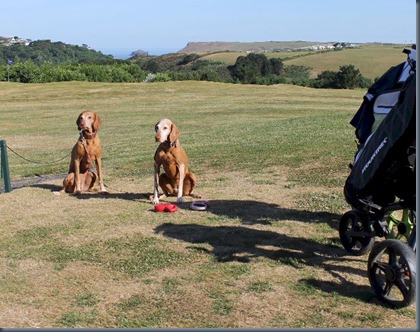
(271,160)
(201,107)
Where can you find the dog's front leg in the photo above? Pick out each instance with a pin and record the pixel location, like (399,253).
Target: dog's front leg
(179,198)
(100,175)
(156,184)
(77,181)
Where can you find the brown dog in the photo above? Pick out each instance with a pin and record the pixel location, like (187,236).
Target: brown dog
(85,152)
(176,180)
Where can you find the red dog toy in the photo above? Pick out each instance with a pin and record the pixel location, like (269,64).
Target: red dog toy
(166,207)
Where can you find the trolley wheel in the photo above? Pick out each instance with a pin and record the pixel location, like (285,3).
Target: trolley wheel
(356,235)
(412,238)
(392,272)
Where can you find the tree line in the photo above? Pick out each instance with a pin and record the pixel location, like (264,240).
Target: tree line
(250,69)
(41,51)
(28,72)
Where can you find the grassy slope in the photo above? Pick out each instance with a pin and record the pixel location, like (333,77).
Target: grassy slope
(264,117)
(271,160)
(371,60)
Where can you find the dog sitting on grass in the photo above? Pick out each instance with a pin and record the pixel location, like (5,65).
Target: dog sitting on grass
(176,179)
(86,152)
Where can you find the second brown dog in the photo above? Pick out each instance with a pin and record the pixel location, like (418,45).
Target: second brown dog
(176,179)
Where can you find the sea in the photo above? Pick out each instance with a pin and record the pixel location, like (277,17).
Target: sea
(124,54)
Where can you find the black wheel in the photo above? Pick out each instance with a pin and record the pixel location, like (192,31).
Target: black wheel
(392,273)
(412,238)
(356,234)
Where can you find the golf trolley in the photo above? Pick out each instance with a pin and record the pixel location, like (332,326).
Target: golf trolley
(381,185)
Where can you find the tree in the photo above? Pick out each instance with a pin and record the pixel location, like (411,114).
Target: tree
(277,67)
(348,77)
(326,79)
(250,68)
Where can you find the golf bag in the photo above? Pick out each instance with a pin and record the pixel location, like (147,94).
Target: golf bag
(381,187)
(382,96)
(384,166)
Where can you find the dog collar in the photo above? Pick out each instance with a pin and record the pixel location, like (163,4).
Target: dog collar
(84,134)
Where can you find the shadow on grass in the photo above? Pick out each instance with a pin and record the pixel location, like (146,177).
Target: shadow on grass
(96,194)
(243,244)
(255,212)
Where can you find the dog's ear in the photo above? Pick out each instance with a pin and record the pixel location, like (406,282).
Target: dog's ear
(78,121)
(97,123)
(173,136)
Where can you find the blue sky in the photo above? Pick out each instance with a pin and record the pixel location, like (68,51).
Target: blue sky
(163,26)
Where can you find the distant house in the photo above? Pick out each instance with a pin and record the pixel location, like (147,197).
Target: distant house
(7,41)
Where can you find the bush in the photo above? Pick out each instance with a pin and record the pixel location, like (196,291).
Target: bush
(28,72)
(162,77)
(348,77)
(297,72)
(25,72)
(184,76)
(158,77)
(3,73)
(50,73)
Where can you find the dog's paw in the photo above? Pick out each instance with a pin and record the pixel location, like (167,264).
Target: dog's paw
(57,193)
(180,200)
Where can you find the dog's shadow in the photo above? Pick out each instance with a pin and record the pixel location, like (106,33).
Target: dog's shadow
(95,194)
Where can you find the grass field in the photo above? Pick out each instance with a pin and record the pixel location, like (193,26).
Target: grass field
(371,59)
(271,160)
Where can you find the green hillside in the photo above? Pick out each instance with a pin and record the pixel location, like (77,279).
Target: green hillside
(41,51)
(371,59)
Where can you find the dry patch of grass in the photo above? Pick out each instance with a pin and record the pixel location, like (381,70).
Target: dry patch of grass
(246,262)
